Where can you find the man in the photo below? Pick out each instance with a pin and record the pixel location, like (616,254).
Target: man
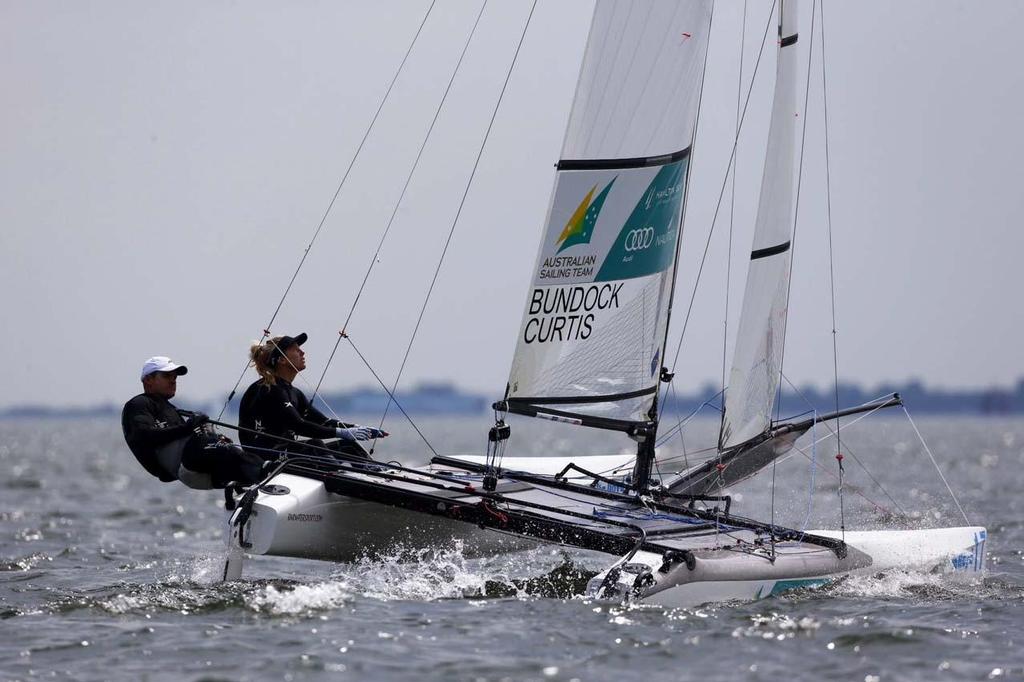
(170,443)
(273,414)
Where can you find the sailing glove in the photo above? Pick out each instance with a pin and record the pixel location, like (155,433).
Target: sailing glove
(196,420)
(357,432)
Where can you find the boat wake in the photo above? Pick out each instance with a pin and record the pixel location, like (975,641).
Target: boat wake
(916,585)
(428,574)
(403,574)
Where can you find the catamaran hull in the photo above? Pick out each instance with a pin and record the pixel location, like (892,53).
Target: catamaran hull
(298,517)
(723,575)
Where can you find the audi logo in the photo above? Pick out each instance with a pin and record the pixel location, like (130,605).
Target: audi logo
(638,240)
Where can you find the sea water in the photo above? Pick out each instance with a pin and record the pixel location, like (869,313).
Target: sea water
(105,573)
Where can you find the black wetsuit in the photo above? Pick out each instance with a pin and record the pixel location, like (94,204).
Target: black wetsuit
(150,423)
(271,416)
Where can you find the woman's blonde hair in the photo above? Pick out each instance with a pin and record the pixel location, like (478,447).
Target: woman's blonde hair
(260,355)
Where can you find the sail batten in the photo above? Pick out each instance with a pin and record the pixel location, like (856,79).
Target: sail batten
(637,162)
(757,360)
(592,337)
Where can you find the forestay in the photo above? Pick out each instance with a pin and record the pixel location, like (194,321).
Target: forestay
(756,368)
(591,342)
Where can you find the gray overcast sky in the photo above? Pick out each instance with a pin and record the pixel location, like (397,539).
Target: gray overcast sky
(164,164)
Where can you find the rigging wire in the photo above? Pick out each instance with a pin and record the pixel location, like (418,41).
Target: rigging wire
(458,214)
(391,397)
(859,494)
(772,537)
(682,422)
(405,187)
(789,283)
(828,222)
(721,193)
(780,460)
(732,211)
(659,407)
(936,465)
(679,428)
(836,433)
(814,467)
(323,220)
(796,204)
(732,215)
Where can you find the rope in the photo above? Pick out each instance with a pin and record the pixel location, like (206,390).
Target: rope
(679,428)
(936,465)
(331,457)
(405,187)
(331,204)
(832,263)
(681,424)
(458,213)
(810,484)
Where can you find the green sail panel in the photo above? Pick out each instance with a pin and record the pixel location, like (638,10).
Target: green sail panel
(647,242)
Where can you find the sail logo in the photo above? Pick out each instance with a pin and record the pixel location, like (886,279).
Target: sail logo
(580,226)
(646,243)
(640,239)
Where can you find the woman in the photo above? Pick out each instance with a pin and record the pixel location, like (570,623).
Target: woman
(273,414)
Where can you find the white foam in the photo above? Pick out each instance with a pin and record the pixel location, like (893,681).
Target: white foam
(440,573)
(903,583)
(302,598)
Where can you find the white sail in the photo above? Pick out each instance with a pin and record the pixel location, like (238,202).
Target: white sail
(756,367)
(591,343)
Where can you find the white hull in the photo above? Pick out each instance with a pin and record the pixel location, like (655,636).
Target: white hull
(305,520)
(311,523)
(721,575)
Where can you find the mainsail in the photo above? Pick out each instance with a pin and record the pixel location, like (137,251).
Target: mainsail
(591,343)
(757,360)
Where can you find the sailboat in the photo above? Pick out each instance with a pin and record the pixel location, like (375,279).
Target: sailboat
(591,354)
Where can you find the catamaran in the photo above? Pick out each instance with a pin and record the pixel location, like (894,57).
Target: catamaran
(591,353)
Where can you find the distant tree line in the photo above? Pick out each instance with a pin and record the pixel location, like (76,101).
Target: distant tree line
(918,398)
(446,399)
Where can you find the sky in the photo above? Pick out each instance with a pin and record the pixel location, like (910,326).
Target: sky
(164,166)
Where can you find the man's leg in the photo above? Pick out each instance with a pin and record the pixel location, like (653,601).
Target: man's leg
(225,462)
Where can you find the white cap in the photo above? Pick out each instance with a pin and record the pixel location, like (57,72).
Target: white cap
(161,363)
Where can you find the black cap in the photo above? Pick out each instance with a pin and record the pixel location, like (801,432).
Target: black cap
(284,344)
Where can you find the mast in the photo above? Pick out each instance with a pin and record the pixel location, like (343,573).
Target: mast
(645,452)
(592,340)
